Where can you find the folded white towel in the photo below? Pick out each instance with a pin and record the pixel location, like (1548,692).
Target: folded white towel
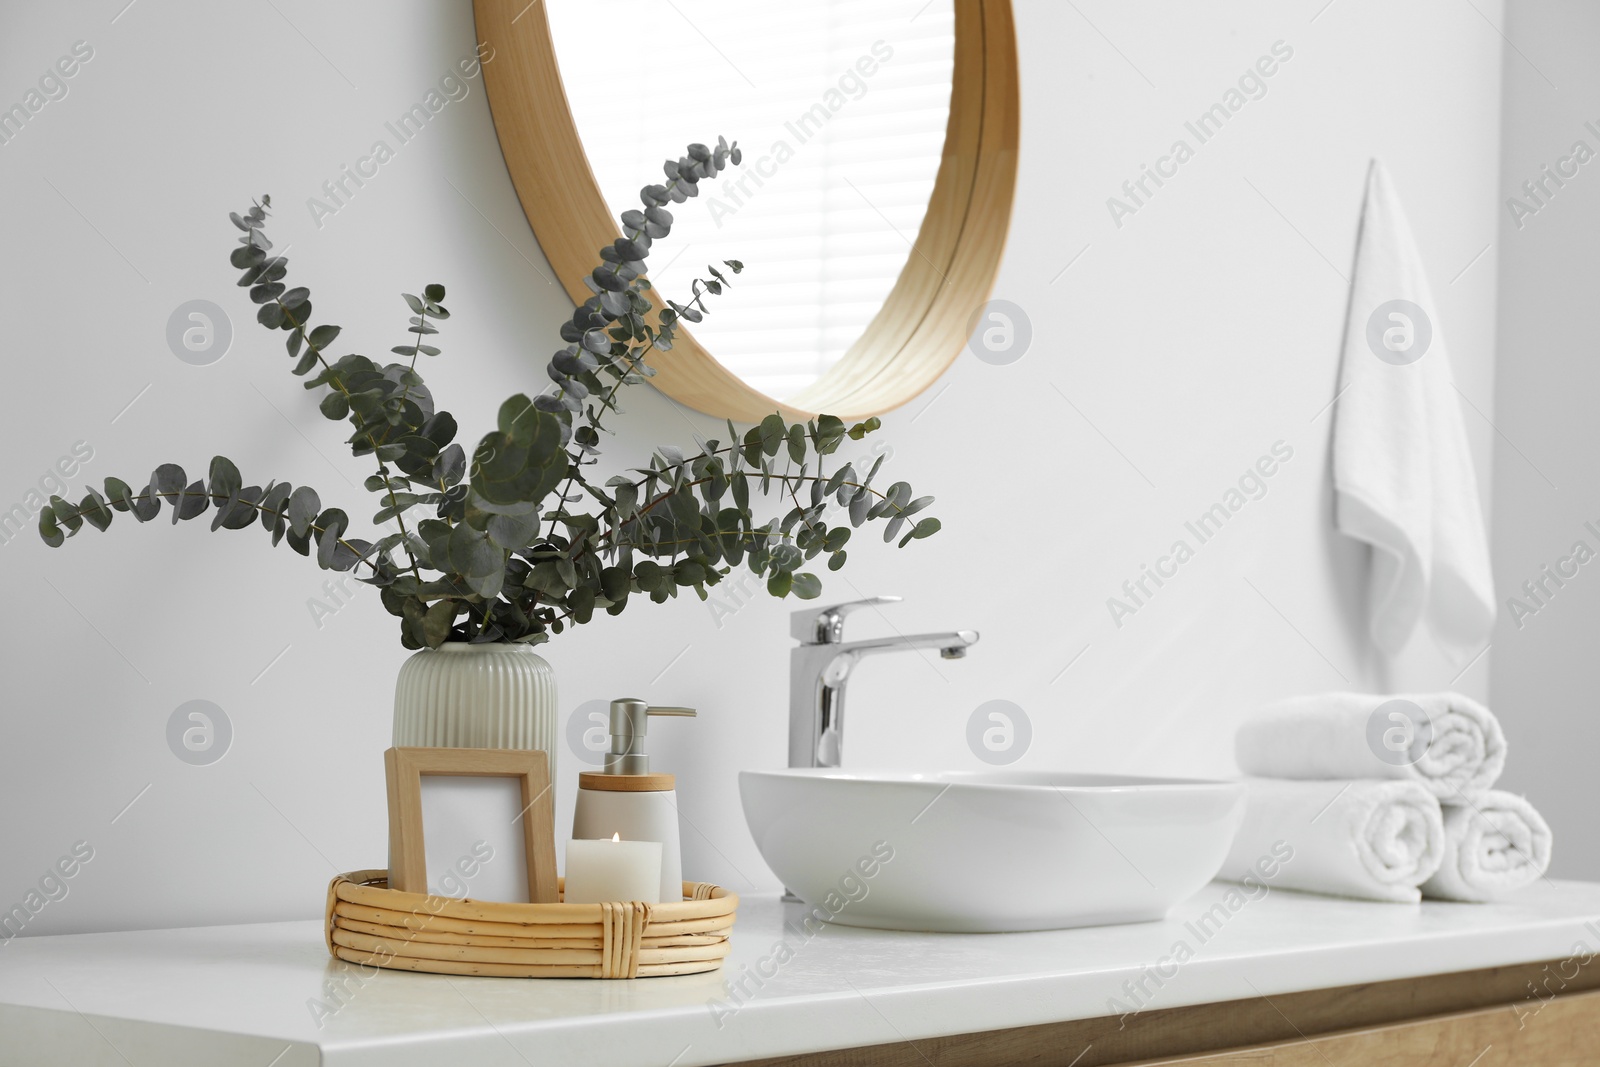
(1402,468)
(1457,756)
(1370,839)
(1496,844)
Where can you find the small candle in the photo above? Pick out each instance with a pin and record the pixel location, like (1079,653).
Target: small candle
(601,871)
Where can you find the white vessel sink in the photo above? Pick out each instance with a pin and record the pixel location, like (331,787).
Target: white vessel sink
(993,850)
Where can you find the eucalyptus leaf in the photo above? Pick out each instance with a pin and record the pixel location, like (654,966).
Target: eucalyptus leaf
(304,506)
(512,531)
(191,503)
(49,531)
(224,478)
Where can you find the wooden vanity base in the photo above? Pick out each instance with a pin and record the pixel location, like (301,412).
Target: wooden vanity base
(1486,1018)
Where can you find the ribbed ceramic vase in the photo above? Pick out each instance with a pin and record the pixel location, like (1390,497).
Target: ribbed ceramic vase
(477,696)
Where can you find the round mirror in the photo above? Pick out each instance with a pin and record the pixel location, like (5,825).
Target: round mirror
(879,144)
(842,127)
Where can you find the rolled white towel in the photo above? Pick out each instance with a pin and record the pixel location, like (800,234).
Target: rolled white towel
(1458,755)
(1494,845)
(1375,840)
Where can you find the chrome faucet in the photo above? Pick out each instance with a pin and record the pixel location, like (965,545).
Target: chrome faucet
(821,665)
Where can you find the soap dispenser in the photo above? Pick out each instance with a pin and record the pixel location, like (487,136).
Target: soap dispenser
(624,798)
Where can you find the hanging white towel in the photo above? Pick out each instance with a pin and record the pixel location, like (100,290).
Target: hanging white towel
(1369,839)
(1493,846)
(1402,469)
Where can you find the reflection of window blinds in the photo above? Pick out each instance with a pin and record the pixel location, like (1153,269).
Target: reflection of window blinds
(840,107)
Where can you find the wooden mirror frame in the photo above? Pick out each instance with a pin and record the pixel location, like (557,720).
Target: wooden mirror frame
(923,324)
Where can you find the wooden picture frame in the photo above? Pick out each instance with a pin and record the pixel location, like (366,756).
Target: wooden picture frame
(927,318)
(405,769)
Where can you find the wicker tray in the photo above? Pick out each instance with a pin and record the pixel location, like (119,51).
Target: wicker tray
(370,924)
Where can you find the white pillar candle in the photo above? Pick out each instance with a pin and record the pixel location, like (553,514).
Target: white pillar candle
(602,871)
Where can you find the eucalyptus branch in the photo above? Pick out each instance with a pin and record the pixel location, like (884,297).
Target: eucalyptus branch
(276,507)
(484,566)
(664,497)
(361,426)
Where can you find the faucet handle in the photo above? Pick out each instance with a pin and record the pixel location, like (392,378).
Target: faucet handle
(825,626)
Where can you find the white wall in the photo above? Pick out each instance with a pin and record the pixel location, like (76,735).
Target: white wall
(1545,670)
(1170,355)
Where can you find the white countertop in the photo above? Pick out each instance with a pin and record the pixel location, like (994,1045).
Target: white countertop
(242,994)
